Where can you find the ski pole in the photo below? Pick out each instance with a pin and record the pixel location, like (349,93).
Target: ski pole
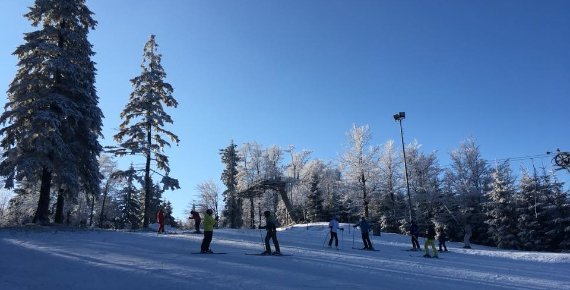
(353,238)
(342,240)
(261,238)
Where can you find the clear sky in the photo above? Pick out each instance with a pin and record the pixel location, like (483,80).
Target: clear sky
(302,72)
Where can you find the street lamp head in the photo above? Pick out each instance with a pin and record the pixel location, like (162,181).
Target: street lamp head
(400,116)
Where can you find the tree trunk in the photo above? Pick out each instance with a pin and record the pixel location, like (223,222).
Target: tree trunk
(147,181)
(92,210)
(364,195)
(252,213)
(102,214)
(288,204)
(42,211)
(59,207)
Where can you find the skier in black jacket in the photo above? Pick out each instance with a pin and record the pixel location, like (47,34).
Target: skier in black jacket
(271,227)
(415,232)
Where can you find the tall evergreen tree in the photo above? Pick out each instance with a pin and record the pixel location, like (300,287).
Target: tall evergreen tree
(501,208)
(315,199)
(233,203)
(54,120)
(130,202)
(143,128)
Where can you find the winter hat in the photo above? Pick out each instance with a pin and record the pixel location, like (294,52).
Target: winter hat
(209,211)
(266,213)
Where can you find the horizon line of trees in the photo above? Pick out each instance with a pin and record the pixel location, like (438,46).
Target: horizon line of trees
(531,213)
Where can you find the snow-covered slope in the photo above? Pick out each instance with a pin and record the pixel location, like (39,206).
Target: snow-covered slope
(48,258)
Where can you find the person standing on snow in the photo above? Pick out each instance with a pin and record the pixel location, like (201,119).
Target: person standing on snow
(334,227)
(430,241)
(271,227)
(197,220)
(415,232)
(160,220)
(365,231)
(208,232)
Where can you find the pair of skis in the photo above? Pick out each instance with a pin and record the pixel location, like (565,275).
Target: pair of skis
(250,254)
(365,249)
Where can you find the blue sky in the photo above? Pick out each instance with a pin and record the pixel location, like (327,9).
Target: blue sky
(302,72)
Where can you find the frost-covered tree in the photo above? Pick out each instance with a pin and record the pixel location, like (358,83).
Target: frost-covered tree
(360,162)
(233,203)
(209,193)
(390,203)
(501,208)
(144,118)
(52,111)
(467,182)
(424,182)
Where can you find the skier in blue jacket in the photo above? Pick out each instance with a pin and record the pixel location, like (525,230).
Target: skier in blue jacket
(365,229)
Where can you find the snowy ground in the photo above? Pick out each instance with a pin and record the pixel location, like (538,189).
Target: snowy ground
(51,258)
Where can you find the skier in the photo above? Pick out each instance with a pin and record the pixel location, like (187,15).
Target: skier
(441,237)
(415,231)
(271,227)
(430,241)
(160,220)
(197,220)
(334,227)
(208,232)
(365,229)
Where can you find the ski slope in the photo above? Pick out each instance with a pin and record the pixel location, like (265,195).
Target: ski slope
(59,258)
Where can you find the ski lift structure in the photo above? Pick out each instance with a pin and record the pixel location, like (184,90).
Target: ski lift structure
(259,188)
(561,159)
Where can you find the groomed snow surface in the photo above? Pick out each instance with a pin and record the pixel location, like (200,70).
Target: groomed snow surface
(62,258)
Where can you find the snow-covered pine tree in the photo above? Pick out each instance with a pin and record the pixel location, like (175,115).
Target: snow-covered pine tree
(501,208)
(130,202)
(233,203)
(52,111)
(556,211)
(314,206)
(144,117)
(531,216)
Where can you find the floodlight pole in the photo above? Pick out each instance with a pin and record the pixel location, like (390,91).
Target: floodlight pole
(399,117)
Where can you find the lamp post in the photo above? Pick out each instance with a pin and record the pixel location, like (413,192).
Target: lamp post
(399,117)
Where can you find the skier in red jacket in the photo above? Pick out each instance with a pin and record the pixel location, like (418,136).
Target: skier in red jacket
(197,220)
(160,220)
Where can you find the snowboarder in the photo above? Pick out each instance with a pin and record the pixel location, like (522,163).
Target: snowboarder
(208,232)
(197,220)
(467,236)
(441,237)
(430,241)
(160,220)
(415,232)
(271,228)
(365,231)
(334,227)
